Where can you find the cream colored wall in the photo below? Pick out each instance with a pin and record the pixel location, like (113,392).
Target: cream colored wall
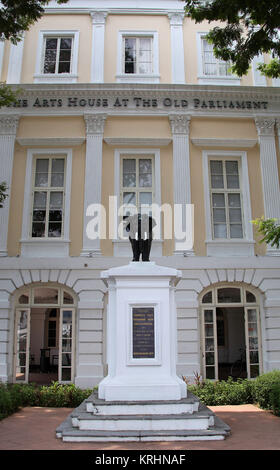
(191,53)
(80,23)
(5,64)
(115,23)
(44,127)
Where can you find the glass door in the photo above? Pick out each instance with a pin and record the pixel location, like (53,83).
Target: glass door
(66,345)
(209,354)
(252,325)
(21,345)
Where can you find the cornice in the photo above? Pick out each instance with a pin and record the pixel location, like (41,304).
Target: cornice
(143,141)
(231,143)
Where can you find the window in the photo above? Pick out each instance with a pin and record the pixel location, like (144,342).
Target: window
(138,57)
(225,197)
(137,181)
(57,55)
(46,207)
(211,65)
(48,197)
(227,203)
(212,70)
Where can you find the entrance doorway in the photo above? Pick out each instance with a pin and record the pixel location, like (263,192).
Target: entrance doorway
(44,336)
(231,335)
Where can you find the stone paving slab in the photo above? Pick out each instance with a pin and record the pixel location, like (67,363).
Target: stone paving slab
(34,429)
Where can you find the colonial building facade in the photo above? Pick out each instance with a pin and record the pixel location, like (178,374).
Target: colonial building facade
(124,103)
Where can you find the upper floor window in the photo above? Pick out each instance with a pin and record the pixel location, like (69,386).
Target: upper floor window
(57,57)
(138,58)
(210,68)
(137,55)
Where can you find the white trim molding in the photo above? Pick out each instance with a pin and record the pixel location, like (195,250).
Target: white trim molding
(39,76)
(45,247)
(231,143)
(229,247)
(122,77)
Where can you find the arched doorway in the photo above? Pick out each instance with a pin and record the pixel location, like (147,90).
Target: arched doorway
(44,334)
(230,332)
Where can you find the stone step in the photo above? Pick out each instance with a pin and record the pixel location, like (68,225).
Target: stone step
(67,433)
(84,426)
(96,406)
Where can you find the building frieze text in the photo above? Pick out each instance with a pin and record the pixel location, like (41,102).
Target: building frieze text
(139,102)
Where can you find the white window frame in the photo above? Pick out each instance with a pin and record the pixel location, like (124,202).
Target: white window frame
(122,247)
(213,79)
(39,76)
(57,247)
(122,77)
(233,246)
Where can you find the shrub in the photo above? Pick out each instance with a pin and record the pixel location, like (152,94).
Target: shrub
(15,396)
(275,399)
(224,392)
(262,387)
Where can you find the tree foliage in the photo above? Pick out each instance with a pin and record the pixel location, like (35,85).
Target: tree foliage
(249,28)
(269,229)
(16,16)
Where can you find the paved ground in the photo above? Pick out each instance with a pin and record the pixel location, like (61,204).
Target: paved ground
(34,429)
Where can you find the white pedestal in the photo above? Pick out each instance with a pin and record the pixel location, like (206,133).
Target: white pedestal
(141,334)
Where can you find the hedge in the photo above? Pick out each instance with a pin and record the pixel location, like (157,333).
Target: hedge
(264,391)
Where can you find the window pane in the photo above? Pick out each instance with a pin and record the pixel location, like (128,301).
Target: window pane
(67,298)
(236,231)
(64,67)
(145,198)
(220,231)
(229,295)
(40,200)
(56,200)
(207,298)
(219,215)
(45,295)
(57,177)
(55,229)
(216,169)
(208,316)
(129,172)
(210,372)
(38,229)
(129,198)
(130,55)
(41,173)
(66,43)
(145,173)
(232,168)
(234,200)
(233,181)
(250,298)
(218,200)
(24,299)
(50,55)
(234,215)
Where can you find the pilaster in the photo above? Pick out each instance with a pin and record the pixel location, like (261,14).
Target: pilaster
(269,169)
(177,47)
(8,130)
(15,62)
(93,176)
(181,168)
(98,37)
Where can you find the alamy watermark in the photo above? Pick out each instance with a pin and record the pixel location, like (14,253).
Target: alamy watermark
(171,222)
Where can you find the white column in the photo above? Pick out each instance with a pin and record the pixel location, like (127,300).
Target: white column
(181,165)
(269,169)
(15,62)
(8,129)
(93,176)
(98,37)
(177,47)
